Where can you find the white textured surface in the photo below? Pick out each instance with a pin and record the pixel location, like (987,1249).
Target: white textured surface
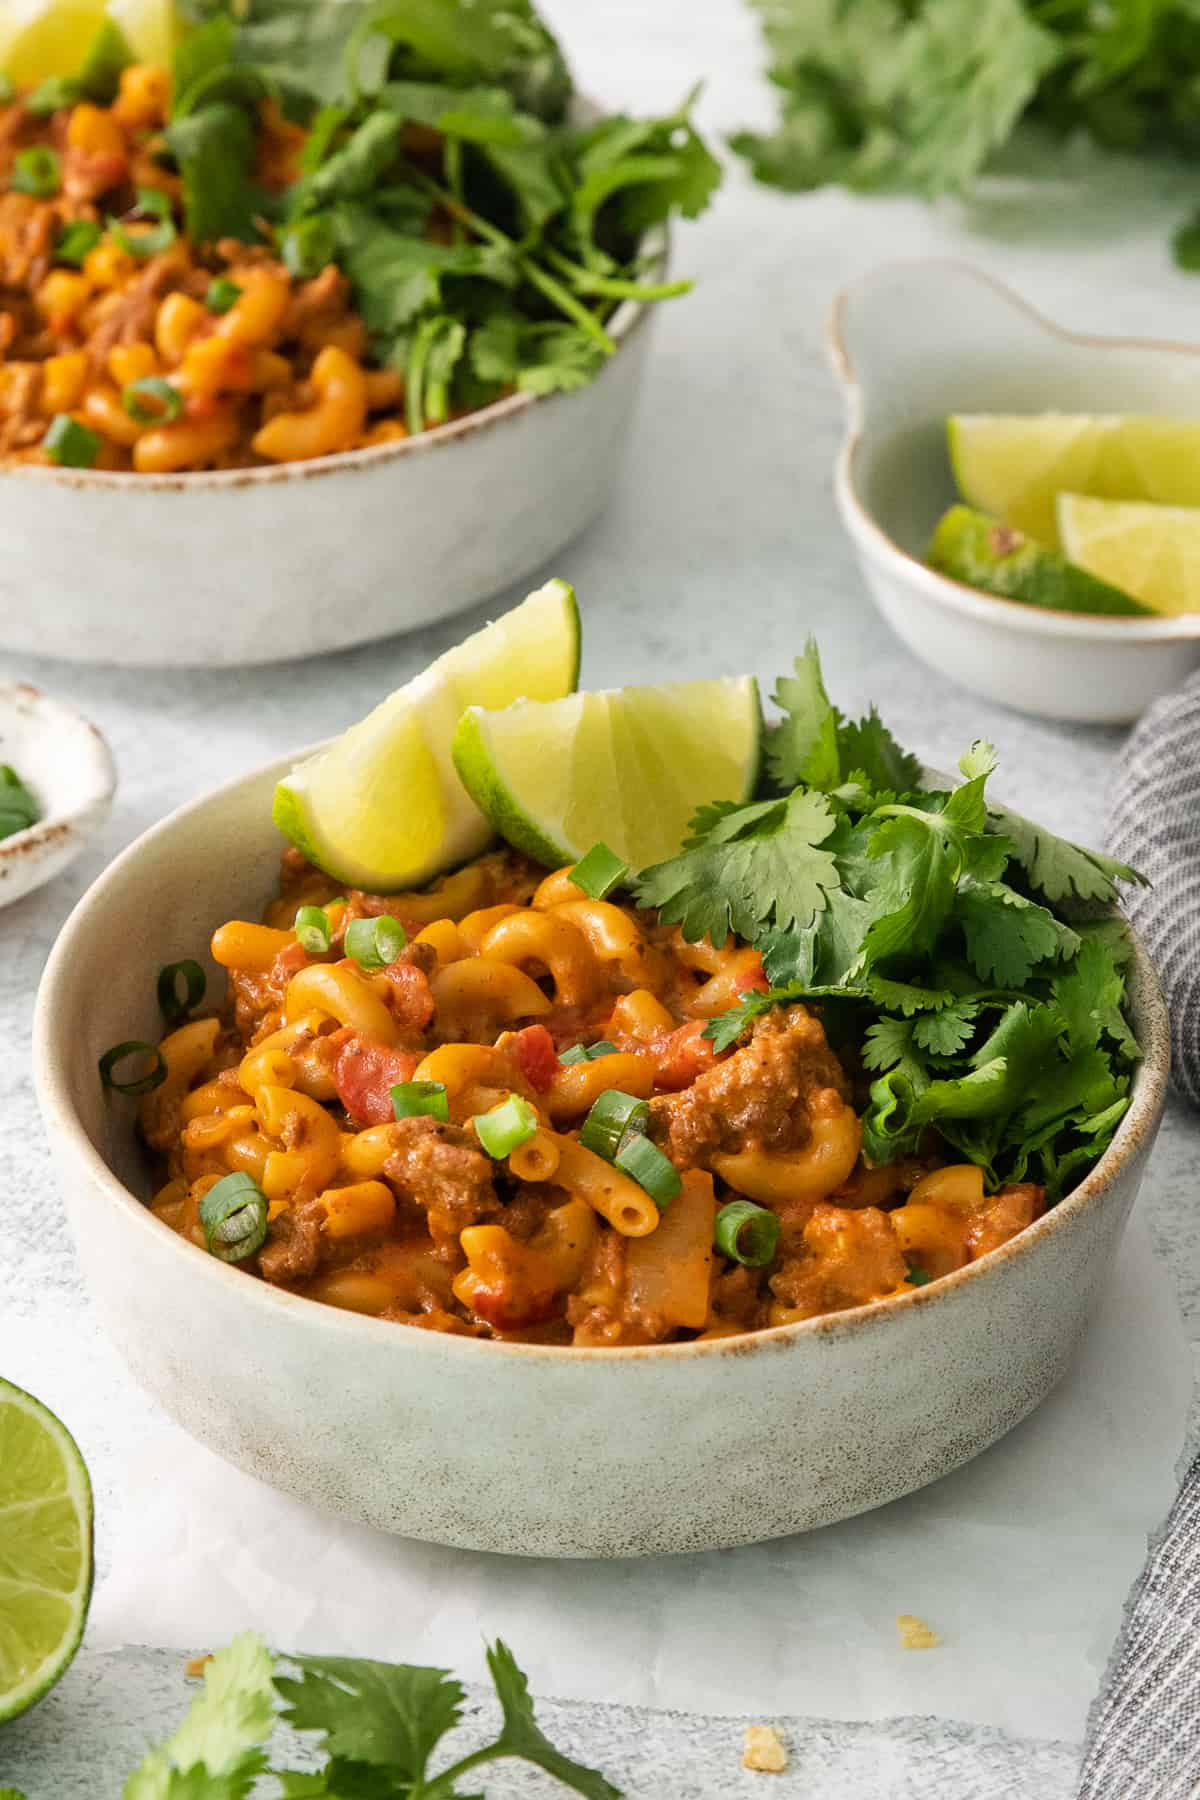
(721,550)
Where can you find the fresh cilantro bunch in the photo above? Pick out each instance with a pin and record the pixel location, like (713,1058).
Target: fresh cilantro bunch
(487,234)
(377,1727)
(918,94)
(962,956)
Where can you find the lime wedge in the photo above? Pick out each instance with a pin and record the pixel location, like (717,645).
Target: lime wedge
(1016,466)
(45,1549)
(40,38)
(627,768)
(152,27)
(998,559)
(382,808)
(1153,552)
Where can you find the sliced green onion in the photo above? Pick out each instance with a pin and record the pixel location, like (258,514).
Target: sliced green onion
(647,1165)
(143,1084)
(152,401)
(195,981)
(374,943)
(746,1233)
(421,1099)
(313,929)
(70,444)
(599,872)
(613,1117)
(36,171)
(76,240)
(506,1127)
(919,1277)
(579,1053)
(222,294)
(234,1216)
(51,95)
(145,244)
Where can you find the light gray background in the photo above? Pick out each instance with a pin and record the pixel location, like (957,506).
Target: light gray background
(721,551)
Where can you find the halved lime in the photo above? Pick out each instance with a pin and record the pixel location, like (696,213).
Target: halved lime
(382,808)
(1015,466)
(1153,552)
(998,559)
(45,1549)
(626,768)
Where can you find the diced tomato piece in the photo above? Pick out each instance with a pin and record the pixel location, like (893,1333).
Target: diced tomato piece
(536,1058)
(682,1055)
(365,1073)
(289,962)
(411,996)
(505,1309)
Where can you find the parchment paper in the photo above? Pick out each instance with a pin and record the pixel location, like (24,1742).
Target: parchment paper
(1020,1560)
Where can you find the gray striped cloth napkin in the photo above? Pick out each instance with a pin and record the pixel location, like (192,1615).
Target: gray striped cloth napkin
(1144,1736)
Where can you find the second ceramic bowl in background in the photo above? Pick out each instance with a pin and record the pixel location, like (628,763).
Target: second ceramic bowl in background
(915,341)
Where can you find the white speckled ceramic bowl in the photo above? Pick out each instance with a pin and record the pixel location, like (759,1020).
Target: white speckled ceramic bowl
(239,566)
(914,341)
(68,768)
(511,1447)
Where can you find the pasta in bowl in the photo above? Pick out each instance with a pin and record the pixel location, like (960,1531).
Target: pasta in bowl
(479,1435)
(490,1109)
(239,312)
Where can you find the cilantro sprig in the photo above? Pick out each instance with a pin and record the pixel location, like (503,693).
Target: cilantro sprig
(958,952)
(377,1727)
(929,112)
(487,234)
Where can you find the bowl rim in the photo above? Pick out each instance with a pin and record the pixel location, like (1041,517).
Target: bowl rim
(995,609)
(628,317)
(64,1126)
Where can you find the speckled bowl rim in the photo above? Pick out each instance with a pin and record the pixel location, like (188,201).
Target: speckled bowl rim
(1022,620)
(62,1121)
(628,318)
(86,814)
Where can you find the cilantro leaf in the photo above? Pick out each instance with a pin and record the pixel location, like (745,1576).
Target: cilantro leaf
(888,1042)
(871,754)
(214,148)
(815,745)
(957,77)
(907,998)
(217,1753)
(388,1715)
(947,1031)
(804,746)
(522,1736)
(1058,869)
(755,866)
(1089,994)
(1007,935)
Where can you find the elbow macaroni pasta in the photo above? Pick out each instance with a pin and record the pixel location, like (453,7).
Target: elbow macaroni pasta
(408,1218)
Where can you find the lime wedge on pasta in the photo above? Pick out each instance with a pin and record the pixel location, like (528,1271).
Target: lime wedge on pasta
(45,1549)
(626,768)
(43,38)
(151,26)
(1152,552)
(382,807)
(1015,465)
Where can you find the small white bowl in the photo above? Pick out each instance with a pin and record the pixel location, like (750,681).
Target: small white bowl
(228,567)
(524,1448)
(914,341)
(68,767)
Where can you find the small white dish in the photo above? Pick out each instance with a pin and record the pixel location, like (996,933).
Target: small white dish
(913,341)
(68,767)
